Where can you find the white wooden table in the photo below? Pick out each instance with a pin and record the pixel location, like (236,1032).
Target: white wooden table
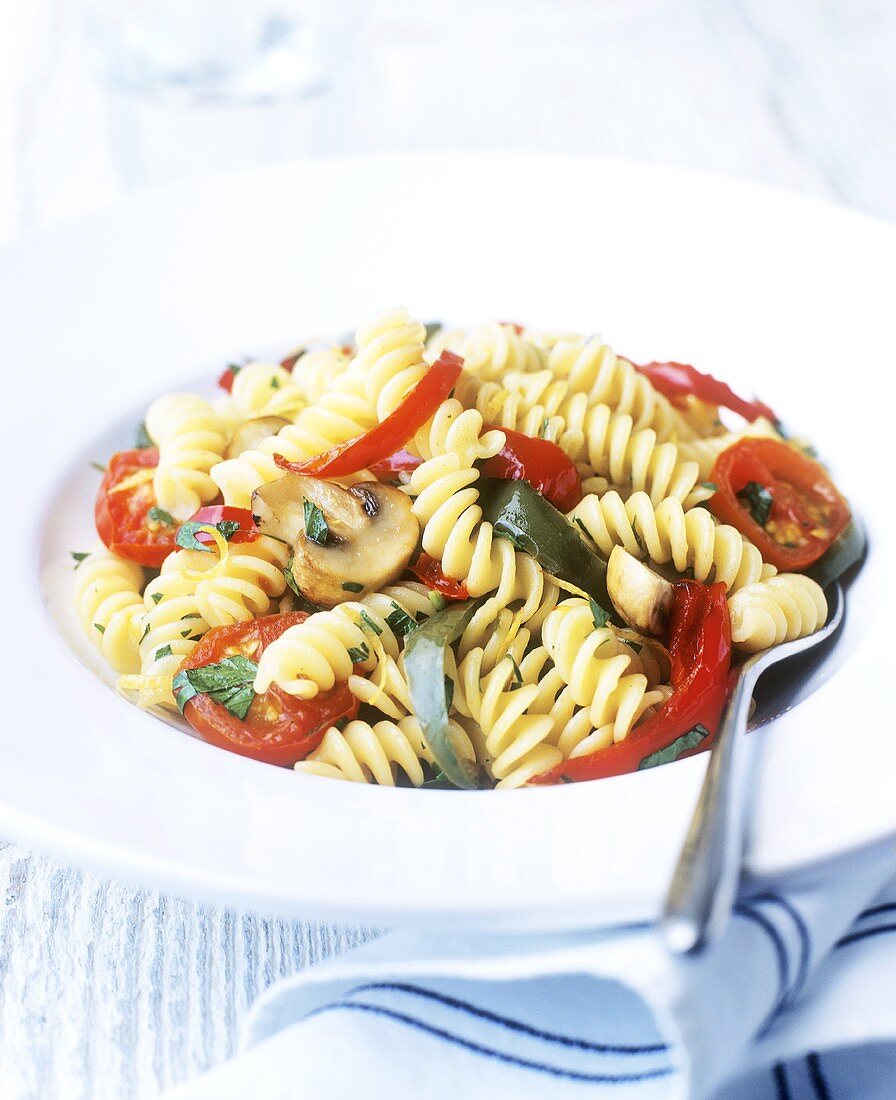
(109,992)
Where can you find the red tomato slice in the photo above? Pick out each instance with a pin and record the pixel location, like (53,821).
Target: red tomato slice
(122,510)
(806,511)
(678,381)
(278,729)
(542,463)
(429,570)
(213,514)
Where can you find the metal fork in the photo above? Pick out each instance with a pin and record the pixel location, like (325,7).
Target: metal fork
(704,885)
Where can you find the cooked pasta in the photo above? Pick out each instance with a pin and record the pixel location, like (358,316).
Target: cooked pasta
(191,438)
(110,605)
(776,610)
(517,564)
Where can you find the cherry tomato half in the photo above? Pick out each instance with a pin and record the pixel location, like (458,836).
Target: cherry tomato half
(127,517)
(780,499)
(213,514)
(278,728)
(429,570)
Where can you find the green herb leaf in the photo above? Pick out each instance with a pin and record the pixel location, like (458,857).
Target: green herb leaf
(79,556)
(359,653)
(758,500)
(143,439)
(302,601)
(186,533)
(275,382)
(367,619)
(316,527)
(163,651)
(159,515)
(432,328)
(401,622)
(146,628)
(156,596)
(521,514)
(437,600)
(682,744)
(100,628)
(228,528)
(449,692)
(229,683)
(711,485)
(424,663)
(601,617)
(517,681)
(98,466)
(352,586)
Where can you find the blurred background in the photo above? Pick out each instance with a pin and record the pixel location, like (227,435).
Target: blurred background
(99,97)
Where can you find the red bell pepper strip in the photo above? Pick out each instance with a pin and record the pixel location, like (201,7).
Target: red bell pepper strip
(227,376)
(429,570)
(678,381)
(400,463)
(542,463)
(700,652)
(387,437)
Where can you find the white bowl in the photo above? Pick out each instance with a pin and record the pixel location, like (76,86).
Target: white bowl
(780,295)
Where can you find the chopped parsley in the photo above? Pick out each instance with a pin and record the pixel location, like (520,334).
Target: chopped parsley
(316,528)
(100,628)
(449,692)
(711,485)
(758,501)
(229,683)
(79,556)
(400,621)
(359,653)
(146,628)
(156,596)
(163,651)
(601,617)
(352,586)
(159,515)
(369,622)
(186,533)
(517,681)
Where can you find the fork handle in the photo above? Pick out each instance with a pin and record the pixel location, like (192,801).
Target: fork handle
(704,885)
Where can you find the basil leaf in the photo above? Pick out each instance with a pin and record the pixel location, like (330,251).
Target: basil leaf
(143,440)
(159,515)
(163,651)
(682,744)
(359,653)
(156,596)
(367,619)
(709,485)
(228,528)
(228,683)
(517,681)
(352,586)
(424,663)
(99,627)
(78,556)
(758,500)
(449,692)
(844,552)
(521,514)
(401,622)
(316,527)
(186,533)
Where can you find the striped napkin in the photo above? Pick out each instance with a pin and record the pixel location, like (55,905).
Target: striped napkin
(798,1001)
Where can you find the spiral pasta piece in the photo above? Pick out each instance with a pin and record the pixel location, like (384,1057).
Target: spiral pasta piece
(780,609)
(265,389)
(316,370)
(705,451)
(691,540)
(602,671)
(490,349)
(191,438)
(252,576)
(379,752)
(517,742)
(590,433)
(172,624)
(592,367)
(110,606)
(390,358)
(325,649)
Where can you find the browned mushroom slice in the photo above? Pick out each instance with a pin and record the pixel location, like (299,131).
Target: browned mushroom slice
(346,542)
(643,598)
(252,432)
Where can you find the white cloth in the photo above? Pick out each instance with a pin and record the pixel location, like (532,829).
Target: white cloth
(798,1002)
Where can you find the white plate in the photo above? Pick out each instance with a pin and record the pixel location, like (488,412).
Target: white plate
(781,295)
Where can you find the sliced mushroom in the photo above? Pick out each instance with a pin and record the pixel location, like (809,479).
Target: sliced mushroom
(643,598)
(251,432)
(369,535)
